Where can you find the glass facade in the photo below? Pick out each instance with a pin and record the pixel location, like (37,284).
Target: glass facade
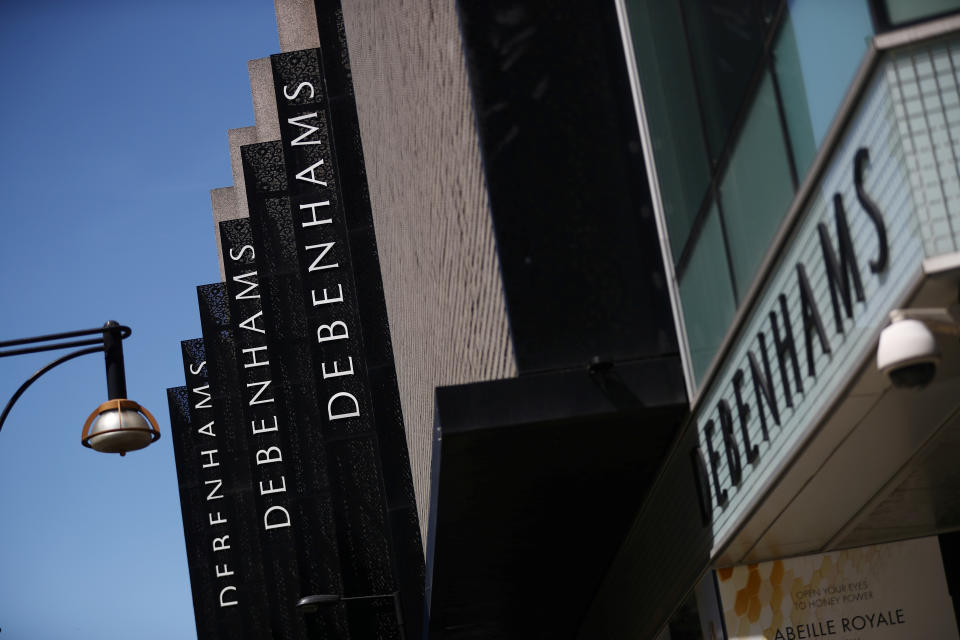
(707,293)
(670,102)
(900,12)
(738,98)
(757,186)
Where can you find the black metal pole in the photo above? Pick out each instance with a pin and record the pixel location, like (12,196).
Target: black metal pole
(113,354)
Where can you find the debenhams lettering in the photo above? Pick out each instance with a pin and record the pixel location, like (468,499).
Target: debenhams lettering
(319,235)
(843,276)
(220,539)
(272,486)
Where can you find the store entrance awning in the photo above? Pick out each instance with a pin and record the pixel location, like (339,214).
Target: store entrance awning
(536,481)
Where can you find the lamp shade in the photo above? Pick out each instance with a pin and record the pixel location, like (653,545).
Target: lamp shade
(118,426)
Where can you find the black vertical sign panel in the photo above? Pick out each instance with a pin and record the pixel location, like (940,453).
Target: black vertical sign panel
(278,264)
(239,594)
(264,442)
(210,624)
(345,130)
(352,456)
(300,442)
(350,443)
(344,301)
(281,298)
(254,290)
(336,349)
(235,457)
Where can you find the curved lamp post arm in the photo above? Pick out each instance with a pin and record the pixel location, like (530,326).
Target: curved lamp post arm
(109,340)
(119,425)
(40,372)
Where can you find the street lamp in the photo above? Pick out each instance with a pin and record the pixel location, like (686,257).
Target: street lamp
(312,604)
(116,426)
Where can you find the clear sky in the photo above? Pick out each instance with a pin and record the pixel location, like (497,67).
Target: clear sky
(113,129)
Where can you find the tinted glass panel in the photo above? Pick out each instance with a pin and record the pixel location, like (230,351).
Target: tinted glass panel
(793,90)
(738,98)
(726,40)
(707,295)
(670,104)
(757,188)
(817,53)
(901,11)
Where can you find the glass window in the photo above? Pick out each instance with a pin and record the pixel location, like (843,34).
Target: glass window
(726,43)
(707,295)
(904,11)
(793,90)
(739,96)
(670,103)
(816,55)
(757,187)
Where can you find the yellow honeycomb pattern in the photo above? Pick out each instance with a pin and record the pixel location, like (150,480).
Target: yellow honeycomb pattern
(768,596)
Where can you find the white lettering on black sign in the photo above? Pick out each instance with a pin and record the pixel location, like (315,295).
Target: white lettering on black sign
(200,406)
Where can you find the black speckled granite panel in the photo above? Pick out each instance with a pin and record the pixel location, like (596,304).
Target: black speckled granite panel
(356,486)
(200,557)
(336,142)
(303,559)
(222,371)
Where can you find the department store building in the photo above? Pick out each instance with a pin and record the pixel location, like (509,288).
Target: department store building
(561,320)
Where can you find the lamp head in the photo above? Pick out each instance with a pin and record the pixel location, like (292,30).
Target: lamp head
(118,426)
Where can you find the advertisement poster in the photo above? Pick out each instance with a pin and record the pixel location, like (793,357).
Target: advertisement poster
(882,592)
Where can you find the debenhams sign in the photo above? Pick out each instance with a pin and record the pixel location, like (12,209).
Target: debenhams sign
(840,272)
(274,459)
(321,234)
(731,449)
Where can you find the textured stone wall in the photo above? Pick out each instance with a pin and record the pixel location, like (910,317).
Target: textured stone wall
(434,232)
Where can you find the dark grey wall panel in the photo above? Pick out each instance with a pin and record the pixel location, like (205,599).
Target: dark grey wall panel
(577,242)
(538,479)
(661,559)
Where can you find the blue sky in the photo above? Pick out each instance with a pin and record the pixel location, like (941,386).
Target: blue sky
(114,121)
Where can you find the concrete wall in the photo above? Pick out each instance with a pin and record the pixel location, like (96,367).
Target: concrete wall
(434,233)
(229,203)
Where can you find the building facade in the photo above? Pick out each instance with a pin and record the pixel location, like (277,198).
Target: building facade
(543,320)
(802,162)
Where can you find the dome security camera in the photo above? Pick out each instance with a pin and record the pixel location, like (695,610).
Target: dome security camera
(908,351)
(908,354)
